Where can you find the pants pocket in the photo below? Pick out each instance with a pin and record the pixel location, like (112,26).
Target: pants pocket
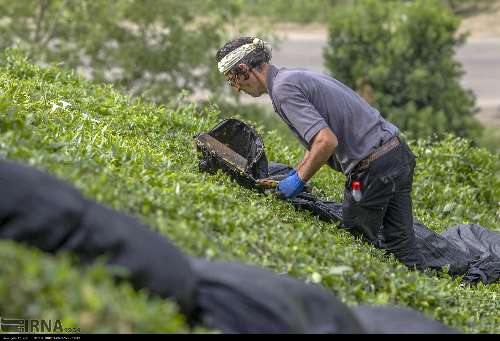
(363,218)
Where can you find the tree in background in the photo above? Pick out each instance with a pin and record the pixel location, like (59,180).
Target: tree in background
(147,47)
(400,57)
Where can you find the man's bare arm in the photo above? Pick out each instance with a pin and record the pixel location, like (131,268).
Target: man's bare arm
(322,147)
(306,155)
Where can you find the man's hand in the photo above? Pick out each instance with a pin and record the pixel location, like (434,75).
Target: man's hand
(291,186)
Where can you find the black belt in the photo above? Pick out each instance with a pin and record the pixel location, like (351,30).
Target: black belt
(383,149)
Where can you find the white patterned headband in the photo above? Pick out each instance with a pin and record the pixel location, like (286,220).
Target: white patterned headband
(233,57)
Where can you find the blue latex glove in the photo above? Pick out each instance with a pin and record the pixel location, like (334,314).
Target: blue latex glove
(291,186)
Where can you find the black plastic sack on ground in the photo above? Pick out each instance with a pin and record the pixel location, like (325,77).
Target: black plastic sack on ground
(480,245)
(235,297)
(469,250)
(239,298)
(44,212)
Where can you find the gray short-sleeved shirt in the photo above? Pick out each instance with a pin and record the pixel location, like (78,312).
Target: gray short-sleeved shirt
(308,102)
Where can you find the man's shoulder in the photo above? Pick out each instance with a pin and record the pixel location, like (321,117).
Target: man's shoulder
(286,75)
(299,77)
(289,80)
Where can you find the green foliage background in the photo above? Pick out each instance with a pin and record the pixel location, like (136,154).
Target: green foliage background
(146,47)
(400,56)
(139,158)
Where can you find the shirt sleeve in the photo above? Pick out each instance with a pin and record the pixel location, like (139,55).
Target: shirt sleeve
(301,114)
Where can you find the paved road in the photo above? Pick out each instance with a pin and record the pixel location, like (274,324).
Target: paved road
(480,58)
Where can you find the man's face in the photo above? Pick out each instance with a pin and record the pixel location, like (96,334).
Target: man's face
(248,84)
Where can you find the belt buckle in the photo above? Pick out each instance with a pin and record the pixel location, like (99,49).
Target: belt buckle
(363,164)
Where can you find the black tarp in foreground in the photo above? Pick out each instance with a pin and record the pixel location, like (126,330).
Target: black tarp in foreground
(469,250)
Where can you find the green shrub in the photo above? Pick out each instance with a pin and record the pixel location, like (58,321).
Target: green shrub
(36,286)
(491,138)
(139,158)
(456,183)
(399,56)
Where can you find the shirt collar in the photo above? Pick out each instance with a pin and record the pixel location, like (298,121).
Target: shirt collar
(271,74)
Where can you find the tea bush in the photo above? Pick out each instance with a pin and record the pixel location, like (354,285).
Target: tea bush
(140,158)
(38,287)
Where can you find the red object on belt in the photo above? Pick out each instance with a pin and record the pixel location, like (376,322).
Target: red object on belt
(356,185)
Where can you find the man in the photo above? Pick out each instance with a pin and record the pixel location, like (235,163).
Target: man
(337,127)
